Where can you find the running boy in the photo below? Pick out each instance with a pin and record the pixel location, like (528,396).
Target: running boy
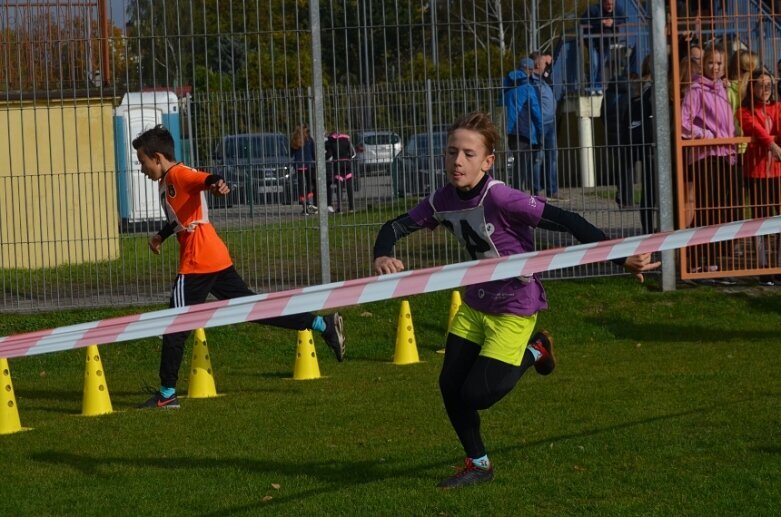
(205,266)
(490,344)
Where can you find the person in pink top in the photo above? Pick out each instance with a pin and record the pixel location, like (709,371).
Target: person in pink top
(706,114)
(760,118)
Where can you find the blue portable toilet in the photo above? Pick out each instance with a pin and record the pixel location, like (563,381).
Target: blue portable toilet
(139,200)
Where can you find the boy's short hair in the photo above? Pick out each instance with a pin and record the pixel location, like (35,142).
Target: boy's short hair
(480,122)
(156,140)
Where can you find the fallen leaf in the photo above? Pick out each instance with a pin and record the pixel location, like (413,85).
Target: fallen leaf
(275,486)
(267,498)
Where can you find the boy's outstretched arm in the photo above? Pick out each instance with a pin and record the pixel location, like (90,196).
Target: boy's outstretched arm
(637,264)
(557,219)
(389,234)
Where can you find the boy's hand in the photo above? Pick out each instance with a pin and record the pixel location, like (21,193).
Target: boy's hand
(636,264)
(220,189)
(155,242)
(384,265)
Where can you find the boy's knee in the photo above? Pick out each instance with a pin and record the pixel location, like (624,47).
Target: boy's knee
(449,387)
(477,399)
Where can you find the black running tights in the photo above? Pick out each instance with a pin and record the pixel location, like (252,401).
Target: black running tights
(470,382)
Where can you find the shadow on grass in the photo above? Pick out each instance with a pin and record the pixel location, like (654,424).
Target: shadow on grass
(335,474)
(623,328)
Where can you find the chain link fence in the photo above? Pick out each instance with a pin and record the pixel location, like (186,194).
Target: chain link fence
(81,79)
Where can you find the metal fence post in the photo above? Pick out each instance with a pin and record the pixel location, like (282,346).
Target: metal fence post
(319,136)
(663,162)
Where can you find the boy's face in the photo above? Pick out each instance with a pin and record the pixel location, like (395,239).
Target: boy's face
(467,159)
(151,166)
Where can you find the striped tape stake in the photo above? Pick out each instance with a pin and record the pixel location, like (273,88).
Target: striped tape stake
(366,290)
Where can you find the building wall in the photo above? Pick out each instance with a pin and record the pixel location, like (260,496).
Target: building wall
(58,199)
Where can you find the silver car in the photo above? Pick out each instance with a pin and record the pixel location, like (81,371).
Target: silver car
(375,150)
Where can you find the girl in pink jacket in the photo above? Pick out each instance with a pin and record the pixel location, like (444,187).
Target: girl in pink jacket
(711,169)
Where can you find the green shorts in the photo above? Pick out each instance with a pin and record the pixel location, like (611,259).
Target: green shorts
(501,336)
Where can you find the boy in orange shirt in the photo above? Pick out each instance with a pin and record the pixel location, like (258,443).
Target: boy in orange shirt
(205,265)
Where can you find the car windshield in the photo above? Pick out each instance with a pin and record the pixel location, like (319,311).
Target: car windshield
(419,144)
(256,146)
(381,139)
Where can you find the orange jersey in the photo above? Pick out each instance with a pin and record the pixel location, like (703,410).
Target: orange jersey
(182,192)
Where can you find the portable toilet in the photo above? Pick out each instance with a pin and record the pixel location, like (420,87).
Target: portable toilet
(139,200)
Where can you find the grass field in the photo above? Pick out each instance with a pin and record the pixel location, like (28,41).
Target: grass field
(661,404)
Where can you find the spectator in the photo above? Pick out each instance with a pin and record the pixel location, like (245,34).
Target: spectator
(641,127)
(547,66)
(339,153)
(760,118)
(695,54)
(600,23)
(705,114)
(615,114)
(550,148)
(524,123)
(302,149)
(741,65)
(689,68)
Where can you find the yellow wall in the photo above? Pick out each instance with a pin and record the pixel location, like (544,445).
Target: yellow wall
(58,199)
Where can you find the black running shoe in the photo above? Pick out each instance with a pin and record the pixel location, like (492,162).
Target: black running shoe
(157,401)
(334,334)
(543,343)
(470,474)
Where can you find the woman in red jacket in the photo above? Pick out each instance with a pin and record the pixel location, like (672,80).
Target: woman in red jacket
(760,118)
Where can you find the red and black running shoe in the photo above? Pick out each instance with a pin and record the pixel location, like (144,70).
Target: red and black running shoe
(470,474)
(543,343)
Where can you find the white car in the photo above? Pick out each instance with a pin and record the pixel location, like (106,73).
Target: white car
(376,149)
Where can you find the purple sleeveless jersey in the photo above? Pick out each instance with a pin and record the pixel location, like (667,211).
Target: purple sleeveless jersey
(498,222)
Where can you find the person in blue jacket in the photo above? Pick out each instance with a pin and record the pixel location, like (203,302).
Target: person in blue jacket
(523,123)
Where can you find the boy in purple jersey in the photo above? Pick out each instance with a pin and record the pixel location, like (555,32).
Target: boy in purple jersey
(490,343)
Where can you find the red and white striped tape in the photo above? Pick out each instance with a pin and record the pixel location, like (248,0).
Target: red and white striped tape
(365,290)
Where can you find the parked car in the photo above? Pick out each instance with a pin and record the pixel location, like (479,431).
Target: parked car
(420,164)
(375,150)
(415,168)
(259,165)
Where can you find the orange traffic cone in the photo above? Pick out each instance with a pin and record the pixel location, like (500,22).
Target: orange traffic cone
(406,347)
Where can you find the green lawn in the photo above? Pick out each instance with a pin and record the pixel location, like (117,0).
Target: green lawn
(662,403)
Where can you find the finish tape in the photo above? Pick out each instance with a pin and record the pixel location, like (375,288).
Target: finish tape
(369,289)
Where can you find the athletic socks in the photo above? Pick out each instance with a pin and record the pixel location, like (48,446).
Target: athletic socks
(482,462)
(167,393)
(318,324)
(536,353)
